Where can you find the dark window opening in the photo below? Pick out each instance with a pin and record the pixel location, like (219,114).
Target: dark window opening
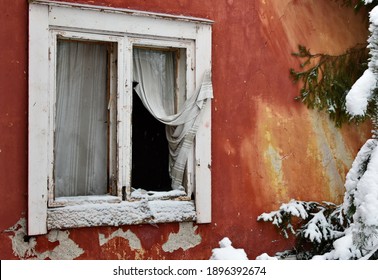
(150,153)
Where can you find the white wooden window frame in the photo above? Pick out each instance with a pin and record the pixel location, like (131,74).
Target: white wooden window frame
(122,116)
(189,46)
(49,19)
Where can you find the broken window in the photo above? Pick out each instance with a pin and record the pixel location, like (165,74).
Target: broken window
(85,118)
(159,91)
(119,117)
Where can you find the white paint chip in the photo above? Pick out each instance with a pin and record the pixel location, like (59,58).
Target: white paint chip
(66,250)
(134,241)
(185,239)
(22,249)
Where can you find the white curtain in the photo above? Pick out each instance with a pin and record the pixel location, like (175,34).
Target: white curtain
(155,73)
(81,129)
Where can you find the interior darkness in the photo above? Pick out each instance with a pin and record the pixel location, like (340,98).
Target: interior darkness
(150,150)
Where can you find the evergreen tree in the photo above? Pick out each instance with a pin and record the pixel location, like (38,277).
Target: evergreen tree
(348,231)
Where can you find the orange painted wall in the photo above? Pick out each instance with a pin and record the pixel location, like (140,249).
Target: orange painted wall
(266,147)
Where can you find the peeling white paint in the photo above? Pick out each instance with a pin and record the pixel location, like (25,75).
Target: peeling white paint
(134,241)
(185,239)
(66,250)
(22,249)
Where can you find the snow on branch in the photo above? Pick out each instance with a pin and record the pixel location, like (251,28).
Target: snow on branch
(319,221)
(318,224)
(363,89)
(319,228)
(354,175)
(361,92)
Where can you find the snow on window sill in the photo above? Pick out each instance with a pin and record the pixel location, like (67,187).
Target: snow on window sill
(123,213)
(89,199)
(179,194)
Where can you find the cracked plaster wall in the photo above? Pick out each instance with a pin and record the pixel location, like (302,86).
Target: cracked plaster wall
(185,238)
(134,241)
(25,247)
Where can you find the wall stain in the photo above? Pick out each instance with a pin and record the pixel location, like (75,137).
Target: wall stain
(273,159)
(332,153)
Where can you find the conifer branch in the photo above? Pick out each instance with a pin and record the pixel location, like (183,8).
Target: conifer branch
(326,79)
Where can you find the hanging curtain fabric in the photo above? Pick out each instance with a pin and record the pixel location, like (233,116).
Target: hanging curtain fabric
(155,73)
(81,130)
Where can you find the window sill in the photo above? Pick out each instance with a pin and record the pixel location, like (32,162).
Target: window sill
(84,200)
(123,213)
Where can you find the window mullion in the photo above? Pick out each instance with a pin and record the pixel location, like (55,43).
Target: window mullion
(112,107)
(52,113)
(190,89)
(124,116)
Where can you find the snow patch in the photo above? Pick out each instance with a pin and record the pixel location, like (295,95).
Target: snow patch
(373,13)
(265,257)
(366,195)
(361,92)
(355,173)
(152,195)
(227,252)
(344,249)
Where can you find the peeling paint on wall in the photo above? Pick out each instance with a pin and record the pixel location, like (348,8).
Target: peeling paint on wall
(185,239)
(24,247)
(21,248)
(66,250)
(134,241)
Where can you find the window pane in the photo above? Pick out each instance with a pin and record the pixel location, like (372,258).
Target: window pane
(150,161)
(81,129)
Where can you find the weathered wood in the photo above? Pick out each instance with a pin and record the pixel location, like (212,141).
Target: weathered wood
(125,28)
(38,120)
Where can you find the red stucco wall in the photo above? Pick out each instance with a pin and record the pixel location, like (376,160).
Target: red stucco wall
(13,111)
(266,148)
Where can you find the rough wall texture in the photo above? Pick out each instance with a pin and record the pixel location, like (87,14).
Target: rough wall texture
(266,148)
